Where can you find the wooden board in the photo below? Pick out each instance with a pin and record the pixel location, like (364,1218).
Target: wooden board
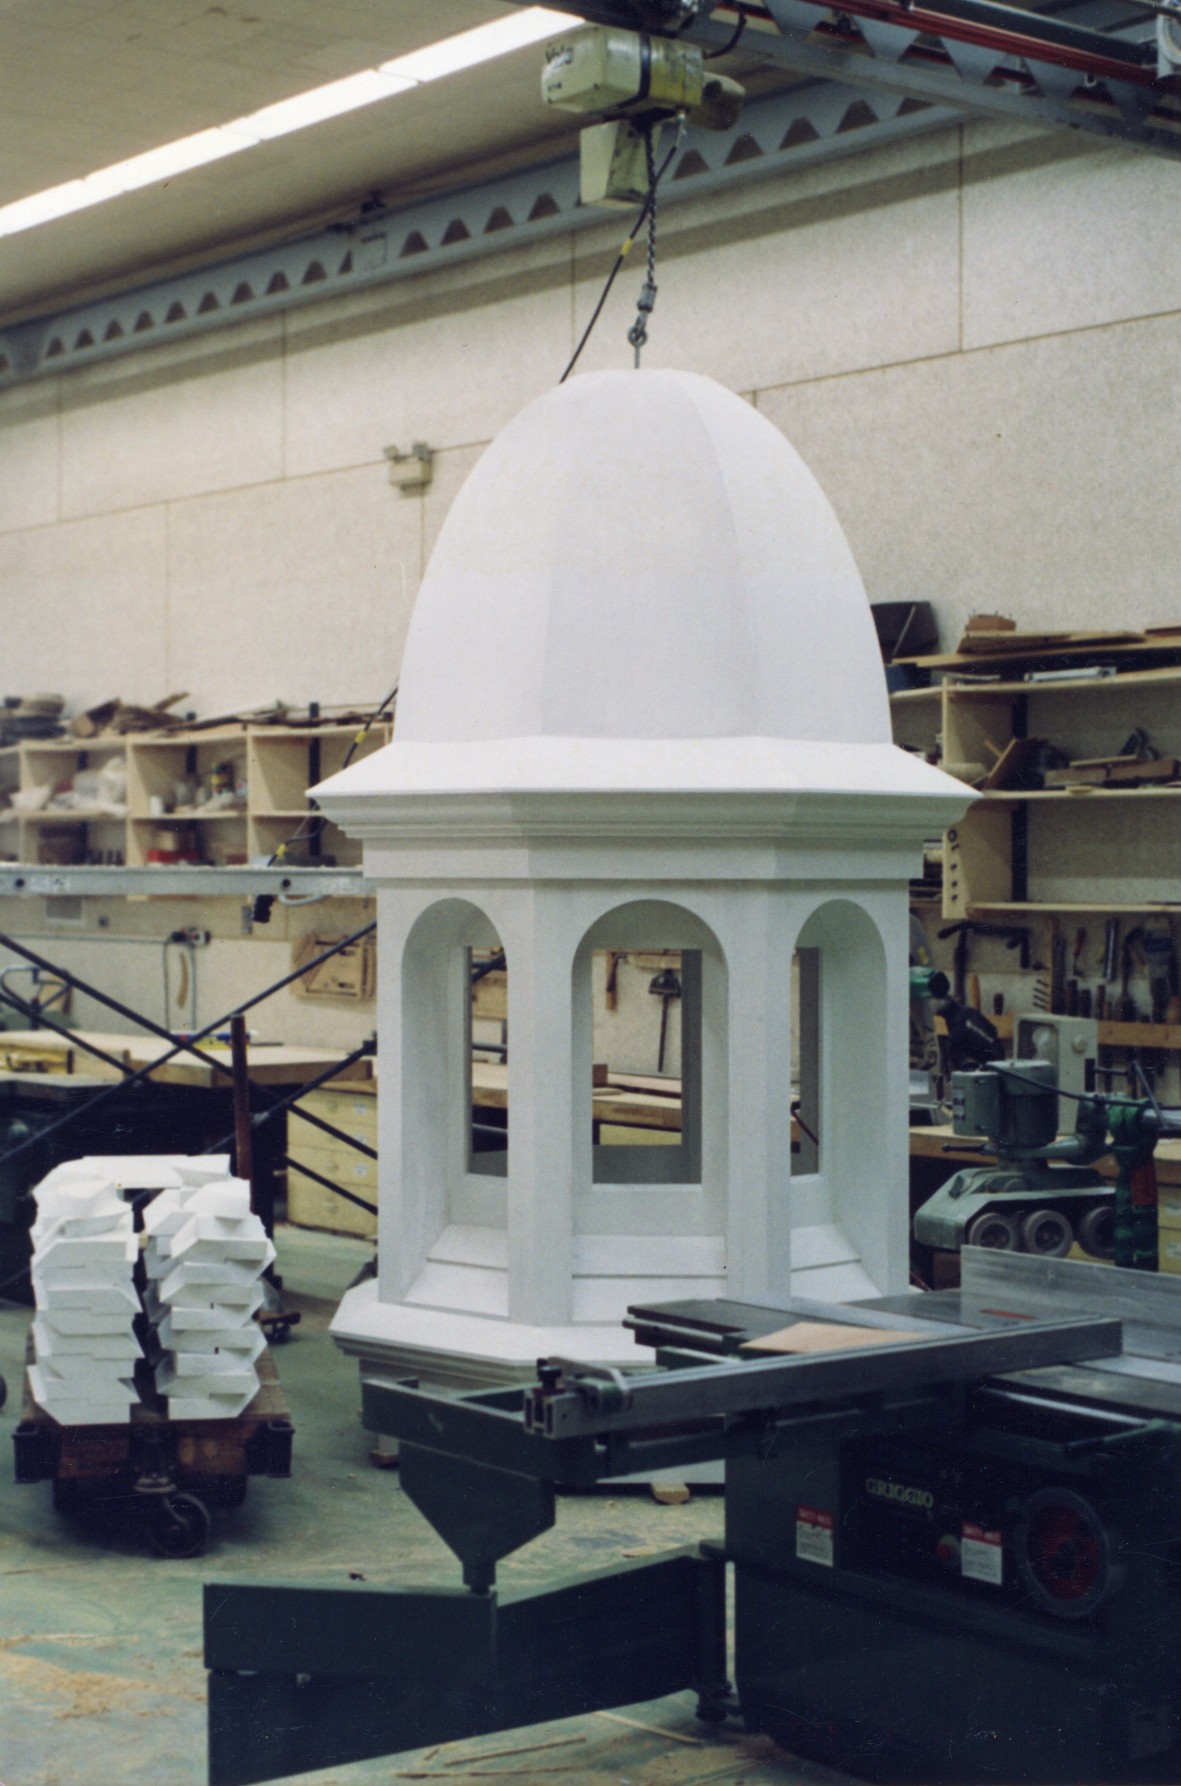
(828,1336)
(211,1447)
(490,1090)
(1016,653)
(278,1063)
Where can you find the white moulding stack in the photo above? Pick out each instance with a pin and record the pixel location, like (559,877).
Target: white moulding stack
(204,1257)
(84,1344)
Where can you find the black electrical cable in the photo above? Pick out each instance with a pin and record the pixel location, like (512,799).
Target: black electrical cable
(637,226)
(302,834)
(1077,1097)
(728,48)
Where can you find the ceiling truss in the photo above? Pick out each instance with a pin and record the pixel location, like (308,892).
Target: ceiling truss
(1053,70)
(811,122)
(873,71)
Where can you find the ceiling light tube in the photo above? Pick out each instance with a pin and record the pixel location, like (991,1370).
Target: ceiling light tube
(482,44)
(173,158)
(320,103)
(43,207)
(466,49)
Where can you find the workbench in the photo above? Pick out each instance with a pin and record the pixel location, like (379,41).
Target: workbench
(268,1063)
(186,1106)
(627,1101)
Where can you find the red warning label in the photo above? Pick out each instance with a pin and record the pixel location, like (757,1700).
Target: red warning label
(814,1536)
(981,1554)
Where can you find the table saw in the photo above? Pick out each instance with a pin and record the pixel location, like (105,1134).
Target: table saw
(953,1520)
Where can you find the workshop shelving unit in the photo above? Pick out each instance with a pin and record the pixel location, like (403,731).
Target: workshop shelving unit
(57,834)
(1054,858)
(282,765)
(1071,851)
(157,766)
(275,765)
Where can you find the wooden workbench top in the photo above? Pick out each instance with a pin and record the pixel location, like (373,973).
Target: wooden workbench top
(938,1141)
(613,1103)
(278,1063)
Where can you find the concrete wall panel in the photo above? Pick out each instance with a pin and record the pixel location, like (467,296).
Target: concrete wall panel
(84,608)
(447,360)
(29,456)
(1063,235)
(1022,478)
(300,590)
(202,415)
(786,280)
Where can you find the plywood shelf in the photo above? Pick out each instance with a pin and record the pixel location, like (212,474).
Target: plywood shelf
(1020,853)
(275,764)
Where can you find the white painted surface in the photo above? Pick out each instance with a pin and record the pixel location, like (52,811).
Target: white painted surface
(541,795)
(692,530)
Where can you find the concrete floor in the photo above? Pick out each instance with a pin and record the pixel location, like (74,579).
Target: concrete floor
(101,1677)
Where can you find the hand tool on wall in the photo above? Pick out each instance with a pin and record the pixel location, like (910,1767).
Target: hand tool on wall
(1110,950)
(1125,1006)
(1057,971)
(666,985)
(1016,936)
(1161,960)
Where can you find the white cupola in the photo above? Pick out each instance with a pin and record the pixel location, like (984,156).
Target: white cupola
(642,708)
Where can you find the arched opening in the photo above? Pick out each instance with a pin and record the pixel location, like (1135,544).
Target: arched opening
(455,1069)
(487,1056)
(646,1028)
(851,1210)
(650,1073)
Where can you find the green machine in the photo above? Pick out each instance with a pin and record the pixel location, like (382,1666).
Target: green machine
(1041,1192)
(956,1549)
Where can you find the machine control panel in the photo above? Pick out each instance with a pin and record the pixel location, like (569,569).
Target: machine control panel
(993,1529)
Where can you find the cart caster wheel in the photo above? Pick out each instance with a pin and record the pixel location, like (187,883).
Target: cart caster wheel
(178,1525)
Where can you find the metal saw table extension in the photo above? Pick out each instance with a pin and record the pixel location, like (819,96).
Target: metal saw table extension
(956,1552)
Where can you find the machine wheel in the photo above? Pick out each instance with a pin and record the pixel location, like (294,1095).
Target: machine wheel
(178,1525)
(993,1228)
(1096,1231)
(1065,1556)
(1047,1232)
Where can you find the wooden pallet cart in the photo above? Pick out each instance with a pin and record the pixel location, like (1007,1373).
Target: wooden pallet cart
(166,1473)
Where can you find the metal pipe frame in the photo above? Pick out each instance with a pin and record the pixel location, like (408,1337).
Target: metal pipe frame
(189,1047)
(1055,72)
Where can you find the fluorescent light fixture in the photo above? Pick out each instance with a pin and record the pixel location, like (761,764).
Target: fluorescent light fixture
(332,101)
(467,48)
(171,159)
(451,54)
(43,207)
